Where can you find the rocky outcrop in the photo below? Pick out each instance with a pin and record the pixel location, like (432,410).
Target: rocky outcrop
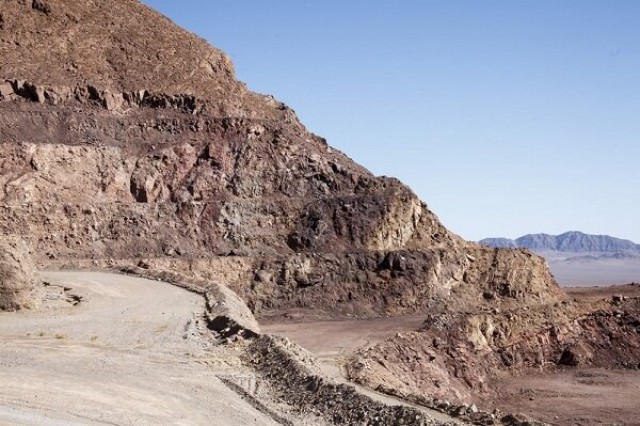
(149,148)
(12,90)
(19,285)
(57,43)
(456,354)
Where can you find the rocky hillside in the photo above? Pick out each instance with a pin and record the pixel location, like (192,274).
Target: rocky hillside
(572,242)
(127,141)
(124,142)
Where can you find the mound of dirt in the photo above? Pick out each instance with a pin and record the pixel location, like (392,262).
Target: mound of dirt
(19,285)
(294,380)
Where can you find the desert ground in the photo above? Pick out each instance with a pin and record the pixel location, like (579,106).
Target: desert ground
(585,271)
(594,396)
(564,396)
(331,342)
(111,349)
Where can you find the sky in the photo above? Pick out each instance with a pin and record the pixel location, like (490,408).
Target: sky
(505,117)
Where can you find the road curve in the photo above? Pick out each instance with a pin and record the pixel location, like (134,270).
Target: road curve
(132,352)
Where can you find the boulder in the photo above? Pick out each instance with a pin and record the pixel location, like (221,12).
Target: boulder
(41,6)
(6,90)
(19,285)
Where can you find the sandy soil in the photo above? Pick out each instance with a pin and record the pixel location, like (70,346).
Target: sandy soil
(132,352)
(576,397)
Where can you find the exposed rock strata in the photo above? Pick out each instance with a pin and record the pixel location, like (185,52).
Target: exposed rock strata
(456,354)
(319,229)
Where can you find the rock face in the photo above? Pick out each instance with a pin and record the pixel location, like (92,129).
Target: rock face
(19,287)
(149,148)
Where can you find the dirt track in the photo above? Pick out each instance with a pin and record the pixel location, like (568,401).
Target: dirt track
(129,353)
(332,341)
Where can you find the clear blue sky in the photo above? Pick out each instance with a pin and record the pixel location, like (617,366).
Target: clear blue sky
(506,117)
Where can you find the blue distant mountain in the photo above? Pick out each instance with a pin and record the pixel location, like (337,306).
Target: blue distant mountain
(571,242)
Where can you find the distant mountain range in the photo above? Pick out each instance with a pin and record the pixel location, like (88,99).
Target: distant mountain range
(576,258)
(569,242)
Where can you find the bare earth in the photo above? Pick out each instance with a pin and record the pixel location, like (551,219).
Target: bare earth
(576,397)
(583,396)
(333,341)
(580,396)
(135,352)
(131,352)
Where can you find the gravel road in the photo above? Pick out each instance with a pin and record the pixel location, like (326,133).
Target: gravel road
(131,352)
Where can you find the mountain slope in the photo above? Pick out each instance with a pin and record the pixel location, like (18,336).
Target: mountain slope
(123,142)
(120,45)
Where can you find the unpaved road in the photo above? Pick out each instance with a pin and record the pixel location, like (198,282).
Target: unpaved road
(130,353)
(582,396)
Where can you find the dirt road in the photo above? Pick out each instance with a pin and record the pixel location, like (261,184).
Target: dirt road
(579,396)
(136,352)
(132,352)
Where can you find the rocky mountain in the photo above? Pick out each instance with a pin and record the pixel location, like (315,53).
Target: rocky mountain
(573,242)
(126,141)
(499,242)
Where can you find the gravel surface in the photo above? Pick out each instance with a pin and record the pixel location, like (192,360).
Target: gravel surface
(589,396)
(131,352)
